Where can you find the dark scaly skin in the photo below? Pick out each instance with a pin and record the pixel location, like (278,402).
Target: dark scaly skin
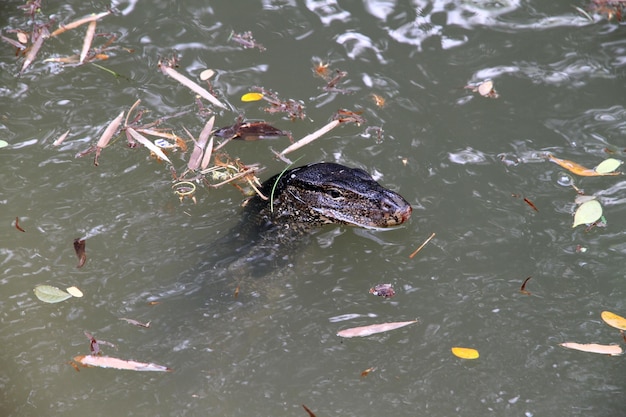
(305,198)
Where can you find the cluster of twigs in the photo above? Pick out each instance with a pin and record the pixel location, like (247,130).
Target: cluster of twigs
(207,163)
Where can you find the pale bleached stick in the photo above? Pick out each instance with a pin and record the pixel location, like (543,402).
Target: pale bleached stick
(79,22)
(310,137)
(91,31)
(146,142)
(171,72)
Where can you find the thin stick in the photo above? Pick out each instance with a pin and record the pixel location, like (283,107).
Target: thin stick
(79,22)
(171,72)
(34,49)
(421,246)
(91,31)
(310,137)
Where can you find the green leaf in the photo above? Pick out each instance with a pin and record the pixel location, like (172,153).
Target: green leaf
(588,212)
(608,165)
(50,294)
(3,143)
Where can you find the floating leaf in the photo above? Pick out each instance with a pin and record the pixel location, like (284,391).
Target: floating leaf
(61,138)
(135,322)
(383,290)
(465,353)
(577,168)
(612,350)
(251,97)
(145,142)
(17,225)
(614,320)
(3,143)
(50,294)
(79,248)
(484,89)
(206,74)
(74,292)
(373,329)
(587,213)
(608,165)
(109,362)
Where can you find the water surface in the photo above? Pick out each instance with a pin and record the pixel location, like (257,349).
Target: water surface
(561,82)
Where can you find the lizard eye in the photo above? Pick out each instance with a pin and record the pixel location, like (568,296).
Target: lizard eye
(334,193)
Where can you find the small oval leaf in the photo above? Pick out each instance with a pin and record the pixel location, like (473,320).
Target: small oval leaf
(50,294)
(608,165)
(588,212)
(74,292)
(3,143)
(465,353)
(251,97)
(484,89)
(206,74)
(614,320)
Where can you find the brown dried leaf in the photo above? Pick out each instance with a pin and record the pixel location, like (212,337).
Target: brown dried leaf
(79,248)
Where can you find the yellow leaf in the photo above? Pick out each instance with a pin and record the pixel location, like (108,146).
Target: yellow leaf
(465,353)
(614,320)
(578,169)
(251,97)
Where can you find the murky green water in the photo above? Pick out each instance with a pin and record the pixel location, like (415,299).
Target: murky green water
(561,85)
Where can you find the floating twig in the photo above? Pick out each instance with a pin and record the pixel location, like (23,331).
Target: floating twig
(79,22)
(171,72)
(421,246)
(61,138)
(310,137)
(106,137)
(523,287)
(145,142)
(91,31)
(79,248)
(17,225)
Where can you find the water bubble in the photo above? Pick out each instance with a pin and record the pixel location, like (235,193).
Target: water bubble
(564,179)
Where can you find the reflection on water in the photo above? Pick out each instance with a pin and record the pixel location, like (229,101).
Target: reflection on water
(463,161)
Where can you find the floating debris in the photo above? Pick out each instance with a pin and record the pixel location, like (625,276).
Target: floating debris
(246,40)
(166,67)
(383,290)
(79,248)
